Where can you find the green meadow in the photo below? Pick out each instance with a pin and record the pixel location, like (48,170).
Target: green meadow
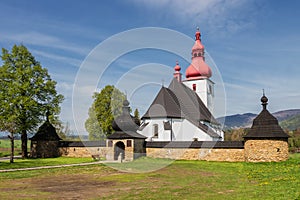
(173,180)
(5,147)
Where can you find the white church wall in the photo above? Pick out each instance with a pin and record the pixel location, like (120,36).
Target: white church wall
(190,132)
(182,130)
(154,131)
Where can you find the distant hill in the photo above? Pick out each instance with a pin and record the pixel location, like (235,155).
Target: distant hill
(237,121)
(289,119)
(291,123)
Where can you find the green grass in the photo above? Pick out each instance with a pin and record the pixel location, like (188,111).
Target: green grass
(24,163)
(217,180)
(178,180)
(5,147)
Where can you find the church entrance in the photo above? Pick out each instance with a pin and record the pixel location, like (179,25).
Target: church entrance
(119,148)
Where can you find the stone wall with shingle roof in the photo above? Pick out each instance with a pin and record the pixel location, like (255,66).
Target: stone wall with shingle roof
(266,141)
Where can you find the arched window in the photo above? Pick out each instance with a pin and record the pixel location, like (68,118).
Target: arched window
(194,87)
(155,130)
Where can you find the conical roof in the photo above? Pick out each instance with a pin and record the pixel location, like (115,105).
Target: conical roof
(46,132)
(265,125)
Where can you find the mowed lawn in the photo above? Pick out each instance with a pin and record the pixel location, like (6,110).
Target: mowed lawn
(177,180)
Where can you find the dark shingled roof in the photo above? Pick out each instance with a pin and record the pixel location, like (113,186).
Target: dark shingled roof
(191,104)
(125,125)
(125,122)
(265,125)
(46,132)
(126,135)
(165,104)
(179,101)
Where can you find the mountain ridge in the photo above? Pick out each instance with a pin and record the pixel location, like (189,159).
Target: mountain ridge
(245,120)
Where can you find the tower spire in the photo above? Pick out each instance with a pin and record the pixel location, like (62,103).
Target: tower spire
(264,100)
(198,34)
(198,68)
(177,73)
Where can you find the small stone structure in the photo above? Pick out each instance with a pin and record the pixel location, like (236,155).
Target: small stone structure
(266,141)
(125,142)
(45,143)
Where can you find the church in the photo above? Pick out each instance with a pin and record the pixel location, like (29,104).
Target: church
(178,124)
(183,110)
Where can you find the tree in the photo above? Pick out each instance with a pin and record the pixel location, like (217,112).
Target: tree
(235,134)
(92,125)
(26,93)
(137,116)
(62,130)
(107,105)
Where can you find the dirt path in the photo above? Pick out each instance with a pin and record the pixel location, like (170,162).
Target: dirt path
(55,166)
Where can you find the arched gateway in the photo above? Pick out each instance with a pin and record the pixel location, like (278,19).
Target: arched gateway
(119,149)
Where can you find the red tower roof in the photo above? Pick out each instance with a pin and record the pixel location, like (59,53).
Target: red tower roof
(177,68)
(177,73)
(198,68)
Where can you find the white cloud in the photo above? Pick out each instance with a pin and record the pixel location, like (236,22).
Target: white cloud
(217,16)
(44,40)
(72,61)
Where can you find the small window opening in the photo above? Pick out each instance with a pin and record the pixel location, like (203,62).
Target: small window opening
(128,143)
(194,87)
(155,130)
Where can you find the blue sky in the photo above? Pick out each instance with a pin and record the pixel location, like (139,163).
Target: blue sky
(255,44)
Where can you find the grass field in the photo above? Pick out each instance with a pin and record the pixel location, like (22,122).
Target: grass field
(5,147)
(179,180)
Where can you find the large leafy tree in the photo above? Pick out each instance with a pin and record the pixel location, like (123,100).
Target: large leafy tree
(107,105)
(27,92)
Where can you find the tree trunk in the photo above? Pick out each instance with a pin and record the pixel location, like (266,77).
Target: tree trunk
(12,146)
(24,144)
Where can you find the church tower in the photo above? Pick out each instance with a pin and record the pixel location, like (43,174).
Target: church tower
(198,74)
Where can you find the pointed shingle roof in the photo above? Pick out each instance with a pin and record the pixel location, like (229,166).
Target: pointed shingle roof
(125,125)
(265,125)
(191,104)
(46,132)
(179,101)
(165,104)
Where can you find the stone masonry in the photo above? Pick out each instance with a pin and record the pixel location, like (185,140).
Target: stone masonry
(266,150)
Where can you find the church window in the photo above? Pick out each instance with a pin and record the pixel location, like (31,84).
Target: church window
(195,54)
(155,130)
(194,87)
